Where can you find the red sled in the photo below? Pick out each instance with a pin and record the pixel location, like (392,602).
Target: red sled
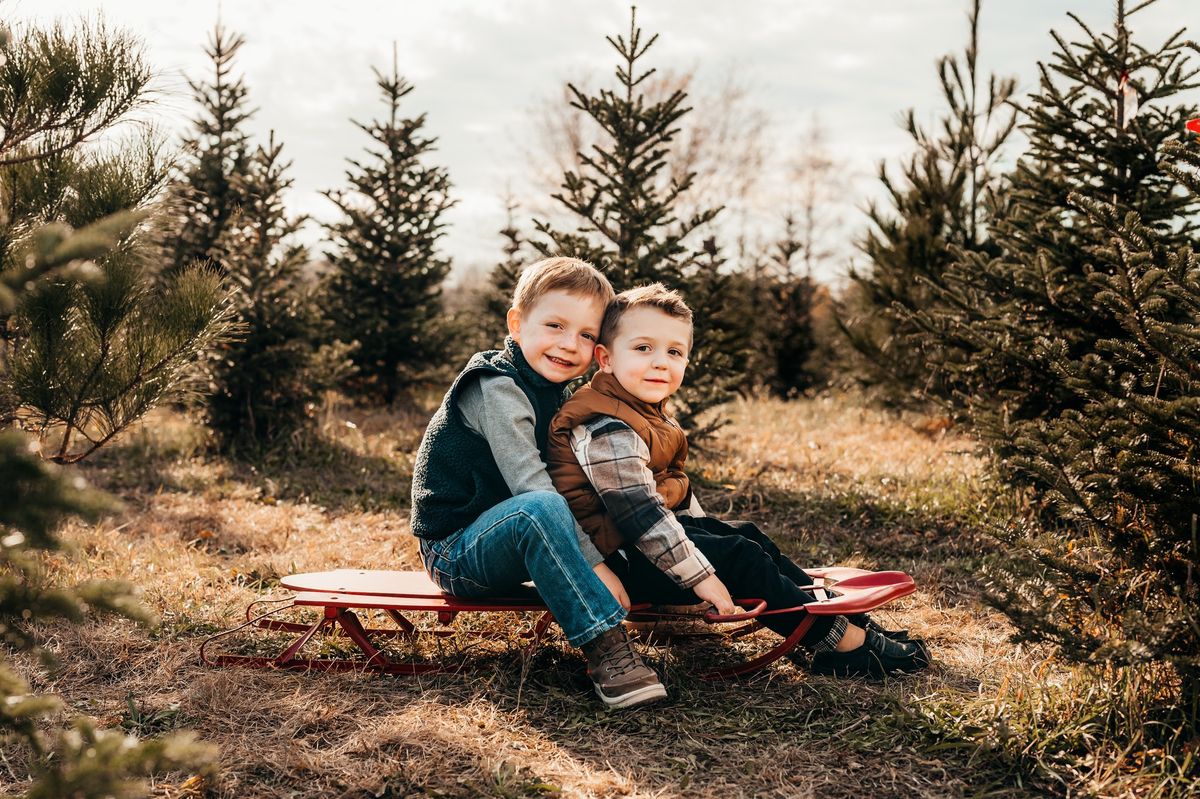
(337,594)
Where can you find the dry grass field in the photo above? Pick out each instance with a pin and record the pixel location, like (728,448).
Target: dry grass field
(833,482)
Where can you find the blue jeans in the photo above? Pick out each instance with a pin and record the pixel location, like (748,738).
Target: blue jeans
(529,537)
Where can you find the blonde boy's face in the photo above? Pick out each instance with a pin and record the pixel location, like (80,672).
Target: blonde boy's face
(648,355)
(557,335)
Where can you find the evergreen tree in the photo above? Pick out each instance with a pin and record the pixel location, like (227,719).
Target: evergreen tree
(502,282)
(770,304)
(385,289)
(625,203)
(266,383)
(1087,136)
(86,354)
(780,309)
(57,89)
(207,194)
(936,214)
(720,342)
(1114,578)
(34,498)
(789,326)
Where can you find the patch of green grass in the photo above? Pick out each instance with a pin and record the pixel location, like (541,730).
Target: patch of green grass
(145,721)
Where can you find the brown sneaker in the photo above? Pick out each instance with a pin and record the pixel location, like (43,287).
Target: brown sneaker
(621,677)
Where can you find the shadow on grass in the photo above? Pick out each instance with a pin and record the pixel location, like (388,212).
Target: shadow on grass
(781,727)
(938,547)
(329,474)
(316,471)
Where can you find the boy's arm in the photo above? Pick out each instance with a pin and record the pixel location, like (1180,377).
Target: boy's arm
(497,409)
(614,459)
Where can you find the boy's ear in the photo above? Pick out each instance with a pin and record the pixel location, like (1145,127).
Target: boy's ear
(603,358)
(513,319)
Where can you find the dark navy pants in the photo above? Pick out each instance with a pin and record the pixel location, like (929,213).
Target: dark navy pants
(746,560)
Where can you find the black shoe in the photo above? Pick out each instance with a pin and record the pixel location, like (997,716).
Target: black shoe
(867,623)
(900,636)
(878,657)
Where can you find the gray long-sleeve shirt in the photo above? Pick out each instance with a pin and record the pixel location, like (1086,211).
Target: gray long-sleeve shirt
(495,407)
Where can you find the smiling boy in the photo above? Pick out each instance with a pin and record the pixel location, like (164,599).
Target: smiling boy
(484,508)
(618,458)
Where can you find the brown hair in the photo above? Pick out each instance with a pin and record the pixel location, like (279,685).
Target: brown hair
(655,295)
(560,274)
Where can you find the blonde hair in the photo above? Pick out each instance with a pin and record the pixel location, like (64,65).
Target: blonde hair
(560,274)
(655,295)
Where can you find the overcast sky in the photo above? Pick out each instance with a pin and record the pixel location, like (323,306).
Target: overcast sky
(481,67)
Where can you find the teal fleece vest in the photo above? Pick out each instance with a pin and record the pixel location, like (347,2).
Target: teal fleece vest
(455,478)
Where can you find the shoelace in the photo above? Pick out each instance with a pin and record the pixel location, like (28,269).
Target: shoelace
(620,661)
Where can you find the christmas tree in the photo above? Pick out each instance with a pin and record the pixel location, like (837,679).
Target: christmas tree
(625,204)
(787,325)
(496,297)
(1113,578)
(1096,128)
(99,76)
(266,384)
(85,355)
(207,194)
(34,498)
(385,289)
(936,214)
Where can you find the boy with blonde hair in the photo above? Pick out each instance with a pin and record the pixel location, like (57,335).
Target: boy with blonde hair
(487,516)
(618,457)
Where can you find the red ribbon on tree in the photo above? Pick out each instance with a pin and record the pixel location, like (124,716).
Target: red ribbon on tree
(1193,125)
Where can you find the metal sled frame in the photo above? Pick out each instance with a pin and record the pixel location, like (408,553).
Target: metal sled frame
(337,594)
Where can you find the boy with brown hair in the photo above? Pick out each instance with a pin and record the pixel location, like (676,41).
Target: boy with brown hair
(618,458)
(487,516)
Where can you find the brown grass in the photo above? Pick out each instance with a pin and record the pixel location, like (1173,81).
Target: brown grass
(833,482)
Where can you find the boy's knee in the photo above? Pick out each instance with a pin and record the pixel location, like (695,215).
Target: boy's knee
(550,513)
(546,502)
(745,550)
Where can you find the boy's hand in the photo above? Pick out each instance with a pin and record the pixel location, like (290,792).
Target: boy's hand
(712,590)
(613,583)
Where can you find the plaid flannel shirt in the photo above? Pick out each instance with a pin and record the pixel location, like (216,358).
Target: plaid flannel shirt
(614,459)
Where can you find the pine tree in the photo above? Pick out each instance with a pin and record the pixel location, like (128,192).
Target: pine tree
(1114,579)
(627,225)
(780,305)
(34,498)
(266,383)
(936,214)
(57,89)
(207,194)
(1001,313)
(87,354)
(788,324)
(385,288)
(720,342)
(502,282)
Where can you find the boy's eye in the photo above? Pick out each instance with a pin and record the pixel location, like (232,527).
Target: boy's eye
(553,324)
(677,353)
(642,348)
(589,336)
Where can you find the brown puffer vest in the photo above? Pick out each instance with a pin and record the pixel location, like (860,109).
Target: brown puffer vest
(604,396)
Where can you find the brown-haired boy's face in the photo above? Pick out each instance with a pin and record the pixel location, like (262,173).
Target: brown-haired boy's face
(648,354)
(558,334)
